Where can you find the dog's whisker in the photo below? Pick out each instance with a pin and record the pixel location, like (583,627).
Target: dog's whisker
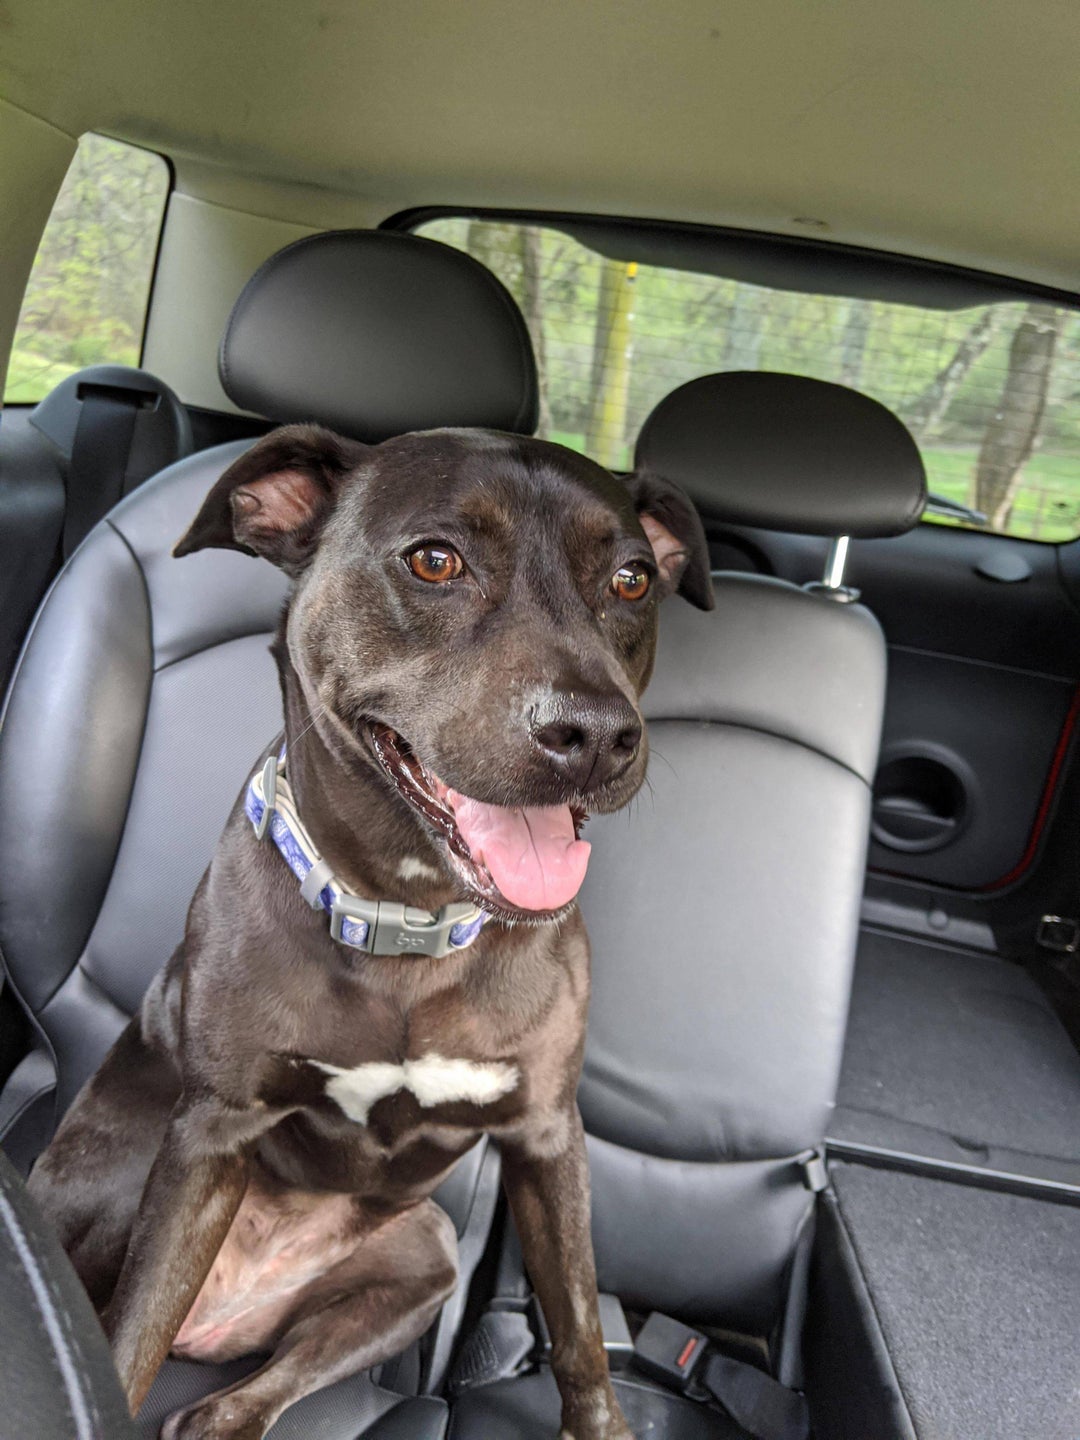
(313,720)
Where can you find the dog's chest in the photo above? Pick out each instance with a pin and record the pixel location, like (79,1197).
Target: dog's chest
(433,1080)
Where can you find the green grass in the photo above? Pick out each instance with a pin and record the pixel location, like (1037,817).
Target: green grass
(1047,505)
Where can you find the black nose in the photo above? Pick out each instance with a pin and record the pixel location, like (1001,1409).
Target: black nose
(588,738)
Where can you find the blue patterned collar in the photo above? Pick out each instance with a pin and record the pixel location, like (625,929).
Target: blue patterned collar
(378,927)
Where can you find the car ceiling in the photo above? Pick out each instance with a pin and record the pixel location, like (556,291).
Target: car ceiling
(943,128)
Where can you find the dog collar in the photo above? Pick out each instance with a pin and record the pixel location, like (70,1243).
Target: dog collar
(378,927)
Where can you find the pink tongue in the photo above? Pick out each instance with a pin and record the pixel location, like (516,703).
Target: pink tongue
(532,854)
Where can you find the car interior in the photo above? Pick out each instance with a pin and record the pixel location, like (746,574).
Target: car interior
(816,266)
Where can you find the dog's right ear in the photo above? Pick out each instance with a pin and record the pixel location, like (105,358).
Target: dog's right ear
(275,500)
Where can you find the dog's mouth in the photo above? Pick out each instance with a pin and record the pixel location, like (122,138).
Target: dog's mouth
(518,863)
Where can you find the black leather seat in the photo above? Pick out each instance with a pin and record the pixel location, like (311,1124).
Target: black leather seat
(146,690)
(57,1380)
(724,909)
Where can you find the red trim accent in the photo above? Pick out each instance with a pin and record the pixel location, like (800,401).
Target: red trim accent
(687,1350)
(1042,815)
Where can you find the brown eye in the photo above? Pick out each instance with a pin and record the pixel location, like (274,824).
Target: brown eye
(630,582)
(435,563)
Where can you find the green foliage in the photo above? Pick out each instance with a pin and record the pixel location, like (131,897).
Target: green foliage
(85,302)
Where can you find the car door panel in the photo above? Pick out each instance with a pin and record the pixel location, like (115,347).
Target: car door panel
(982,689)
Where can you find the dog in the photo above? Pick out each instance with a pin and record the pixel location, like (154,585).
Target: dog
(472,621)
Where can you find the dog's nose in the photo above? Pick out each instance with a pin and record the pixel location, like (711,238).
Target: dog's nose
(588,738)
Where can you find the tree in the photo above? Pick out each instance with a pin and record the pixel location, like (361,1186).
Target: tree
(930,406)
(1014,427)
(745,329)
(853,342)
(512,252)
(532,305)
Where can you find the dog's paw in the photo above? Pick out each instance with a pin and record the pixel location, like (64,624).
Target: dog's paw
(217,1418)
(596,1419)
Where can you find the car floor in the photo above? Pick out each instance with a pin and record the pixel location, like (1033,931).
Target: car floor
(957,1057)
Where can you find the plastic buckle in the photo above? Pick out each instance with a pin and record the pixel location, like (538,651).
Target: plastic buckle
(613,1326)
(395,929)
(1057,932)
(668,1351)
(269,795)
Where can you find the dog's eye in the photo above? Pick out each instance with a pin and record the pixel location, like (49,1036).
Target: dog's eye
(435,563)
(631,582)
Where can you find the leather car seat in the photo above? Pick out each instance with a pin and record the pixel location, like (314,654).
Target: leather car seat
(723,909)
(146,690)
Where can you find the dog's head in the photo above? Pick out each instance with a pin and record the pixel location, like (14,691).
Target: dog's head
(475,617)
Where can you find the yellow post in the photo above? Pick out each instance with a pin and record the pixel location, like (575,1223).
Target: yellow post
(605,439)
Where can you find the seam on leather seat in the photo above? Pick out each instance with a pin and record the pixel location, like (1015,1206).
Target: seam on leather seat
(66,1351)
(758,730)
(37,1027)
(213,645)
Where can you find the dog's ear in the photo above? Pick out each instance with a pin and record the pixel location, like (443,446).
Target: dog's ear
(275,500)
(677,536)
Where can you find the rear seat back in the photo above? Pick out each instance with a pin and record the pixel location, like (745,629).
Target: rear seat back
(723,912)
(146,689)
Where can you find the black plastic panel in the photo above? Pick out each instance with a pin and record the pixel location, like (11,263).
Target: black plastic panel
(982,675)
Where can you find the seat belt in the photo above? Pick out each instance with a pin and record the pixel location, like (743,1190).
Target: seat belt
(99,458)
(761,1405)
(682,1358)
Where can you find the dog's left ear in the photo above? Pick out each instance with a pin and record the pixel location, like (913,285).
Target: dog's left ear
(677,536)
(275,500)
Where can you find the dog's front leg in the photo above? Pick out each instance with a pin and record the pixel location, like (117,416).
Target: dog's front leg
(192,1194)
(546,1176)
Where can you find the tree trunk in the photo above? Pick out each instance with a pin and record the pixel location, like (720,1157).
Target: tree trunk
(605,439)
(745,330)
(931,405)
(853,343)
(532,305)
(1010,437)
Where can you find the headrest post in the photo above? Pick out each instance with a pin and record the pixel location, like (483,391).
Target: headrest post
(831,584)
(835,561)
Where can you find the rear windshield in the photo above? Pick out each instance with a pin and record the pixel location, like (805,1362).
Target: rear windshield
(991,394)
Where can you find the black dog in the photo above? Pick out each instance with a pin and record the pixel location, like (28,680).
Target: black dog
(473,620)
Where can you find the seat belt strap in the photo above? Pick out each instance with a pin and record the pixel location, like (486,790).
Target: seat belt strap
(681,1357)
(99,459)
(761,1405)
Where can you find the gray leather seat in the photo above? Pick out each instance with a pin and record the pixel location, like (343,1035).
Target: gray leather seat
(146,691)
(723,909)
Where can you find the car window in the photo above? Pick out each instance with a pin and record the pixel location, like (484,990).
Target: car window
(991,393)
(86,298)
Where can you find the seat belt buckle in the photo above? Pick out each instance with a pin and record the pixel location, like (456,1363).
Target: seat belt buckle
(668,1351)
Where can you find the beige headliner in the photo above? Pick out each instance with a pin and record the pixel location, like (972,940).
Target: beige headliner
(948,128)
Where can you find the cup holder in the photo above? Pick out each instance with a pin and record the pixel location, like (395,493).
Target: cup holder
(920,803)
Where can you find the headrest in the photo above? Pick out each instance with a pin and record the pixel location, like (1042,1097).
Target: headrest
(376,333)
(786,453)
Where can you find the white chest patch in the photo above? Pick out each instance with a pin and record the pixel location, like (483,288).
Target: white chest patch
(432,1079)
(413,869)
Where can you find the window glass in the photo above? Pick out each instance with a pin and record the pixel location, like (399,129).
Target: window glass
(991,394)
(86,299)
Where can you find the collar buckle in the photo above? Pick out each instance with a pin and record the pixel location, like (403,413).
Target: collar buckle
(396,929)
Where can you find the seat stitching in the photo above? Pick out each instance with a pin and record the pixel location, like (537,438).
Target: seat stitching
(78,1390)
(213,645)
(759,730)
